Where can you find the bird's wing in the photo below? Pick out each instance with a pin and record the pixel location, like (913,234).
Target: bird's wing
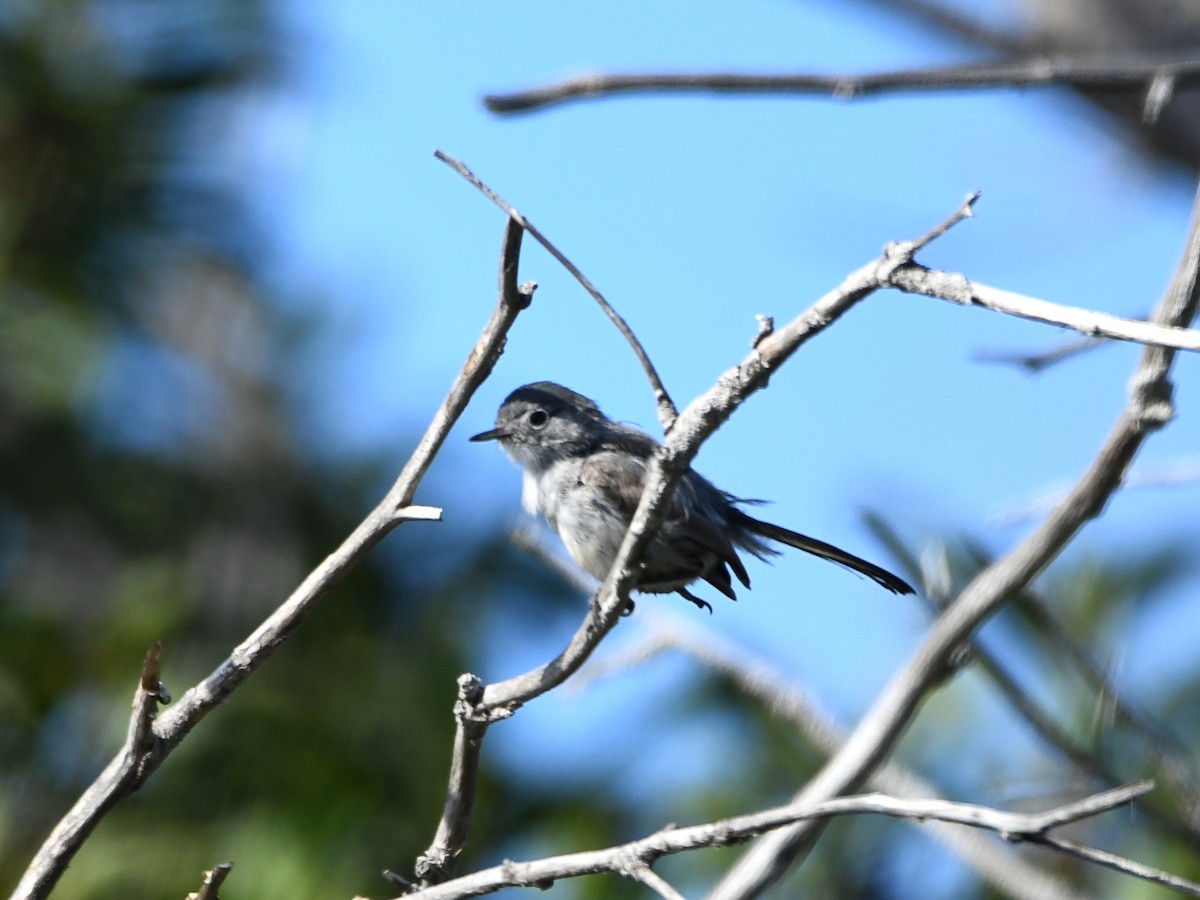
(619,479)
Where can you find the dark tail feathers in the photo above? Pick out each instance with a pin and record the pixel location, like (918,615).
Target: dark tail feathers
(883,577)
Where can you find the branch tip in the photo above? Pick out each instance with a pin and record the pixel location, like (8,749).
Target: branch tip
(667,409)
(152,667)
(213,879)
(766,328)
(398,880)
(966,210)
(418,513)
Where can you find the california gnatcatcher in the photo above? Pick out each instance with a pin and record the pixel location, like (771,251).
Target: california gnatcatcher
(585,474)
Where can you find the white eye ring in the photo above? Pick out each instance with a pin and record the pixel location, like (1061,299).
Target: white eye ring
(538,418)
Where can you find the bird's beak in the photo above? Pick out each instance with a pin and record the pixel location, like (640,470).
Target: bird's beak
(494,434)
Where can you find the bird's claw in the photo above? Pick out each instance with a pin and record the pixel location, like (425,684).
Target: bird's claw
(694,600)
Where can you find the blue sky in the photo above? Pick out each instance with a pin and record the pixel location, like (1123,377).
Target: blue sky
(693,215)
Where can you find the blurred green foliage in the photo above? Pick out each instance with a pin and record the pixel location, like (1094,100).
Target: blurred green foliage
(152,486)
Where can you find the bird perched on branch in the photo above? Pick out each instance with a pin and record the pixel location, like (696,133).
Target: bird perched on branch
(585,474)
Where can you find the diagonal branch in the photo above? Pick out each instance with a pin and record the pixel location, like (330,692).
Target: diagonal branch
(666,407)
(128,769)
(1148,409)
(1117,863)
(635,856)
(1167,754)
(1094,74)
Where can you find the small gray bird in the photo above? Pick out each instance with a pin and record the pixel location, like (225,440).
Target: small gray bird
(585,473)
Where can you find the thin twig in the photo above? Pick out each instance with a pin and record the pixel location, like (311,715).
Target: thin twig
(134,763)
(965,211)
(1148,409)
(1093,74)
(666,407)
(628,857)
(1118,864)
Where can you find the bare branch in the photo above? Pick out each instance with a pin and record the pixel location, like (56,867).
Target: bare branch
(439,860)
(1094,74)
(1011,873)
(630,857)
(138,759)
(965,211)
(1148,409)
(958,289)
(666,407)
(120,777)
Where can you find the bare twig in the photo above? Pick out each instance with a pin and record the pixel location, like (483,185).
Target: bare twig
(128,769)
(1148,409)
(1009,872)
(635,855)
(1094,74)
(957,289)
(1118,864)
(666,407)
(213,879)
(137,760)
(438,861)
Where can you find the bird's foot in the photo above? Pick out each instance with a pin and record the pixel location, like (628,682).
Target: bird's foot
(693,599)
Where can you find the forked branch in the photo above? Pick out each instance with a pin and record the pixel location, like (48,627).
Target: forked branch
(636,857)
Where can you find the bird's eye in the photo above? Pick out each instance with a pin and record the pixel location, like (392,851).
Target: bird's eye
(538,418)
